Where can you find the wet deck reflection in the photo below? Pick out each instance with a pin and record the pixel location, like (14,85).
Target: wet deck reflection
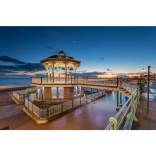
(93,116)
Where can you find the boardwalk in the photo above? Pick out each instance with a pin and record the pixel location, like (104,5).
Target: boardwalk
(8,107)
(93,116)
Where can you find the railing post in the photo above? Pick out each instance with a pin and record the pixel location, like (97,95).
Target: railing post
(138,96)
(47,113)
(91,94)
(120,99)
(39,111)
(62,107)
(133,107)
(28,100)
(31,79)
(71,79)
(86,95)
(24,98)
(53,72)
(141,88)
(47,77)
(32,107)
(117,81)
(41,80)
(117,108)
(114,120)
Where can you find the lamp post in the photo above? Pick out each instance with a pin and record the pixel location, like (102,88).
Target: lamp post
(148,89)
(143,71)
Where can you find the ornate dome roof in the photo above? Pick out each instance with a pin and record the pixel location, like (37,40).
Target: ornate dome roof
(62,54)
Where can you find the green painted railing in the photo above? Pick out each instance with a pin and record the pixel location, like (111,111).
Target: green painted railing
(133,101)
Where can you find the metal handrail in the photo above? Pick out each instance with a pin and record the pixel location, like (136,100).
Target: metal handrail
(130,117)
(114,124)
(109,126)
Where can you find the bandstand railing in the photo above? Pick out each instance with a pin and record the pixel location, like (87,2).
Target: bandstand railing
(93,81)
(61,107)
(128,110)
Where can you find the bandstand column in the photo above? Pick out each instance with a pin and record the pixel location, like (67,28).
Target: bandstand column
(50,72)
(59,72)
(74,73)
(47,72)
(53,74)
(65,72)
(53,68)
(68,74)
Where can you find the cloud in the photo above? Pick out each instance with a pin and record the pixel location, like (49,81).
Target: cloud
(138,73)
(19,66)
(101,58)
(48,47)
(6,71)
(83,71)
(30,67)
(122,75)
(108,70)
(88,74)
(55,52)
(9,59)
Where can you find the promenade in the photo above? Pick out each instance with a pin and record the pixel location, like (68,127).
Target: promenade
(146,119)
(93,116)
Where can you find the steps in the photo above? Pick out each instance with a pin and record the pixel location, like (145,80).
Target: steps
(124,92)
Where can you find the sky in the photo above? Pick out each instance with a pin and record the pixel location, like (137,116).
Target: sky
(103,51)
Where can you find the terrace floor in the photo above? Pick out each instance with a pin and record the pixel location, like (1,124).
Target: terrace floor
(8,107)
(93,116)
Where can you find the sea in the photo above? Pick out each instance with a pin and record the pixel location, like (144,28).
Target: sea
(14,81)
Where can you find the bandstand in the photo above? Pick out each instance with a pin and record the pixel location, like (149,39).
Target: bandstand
(60,61)
(55,89)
